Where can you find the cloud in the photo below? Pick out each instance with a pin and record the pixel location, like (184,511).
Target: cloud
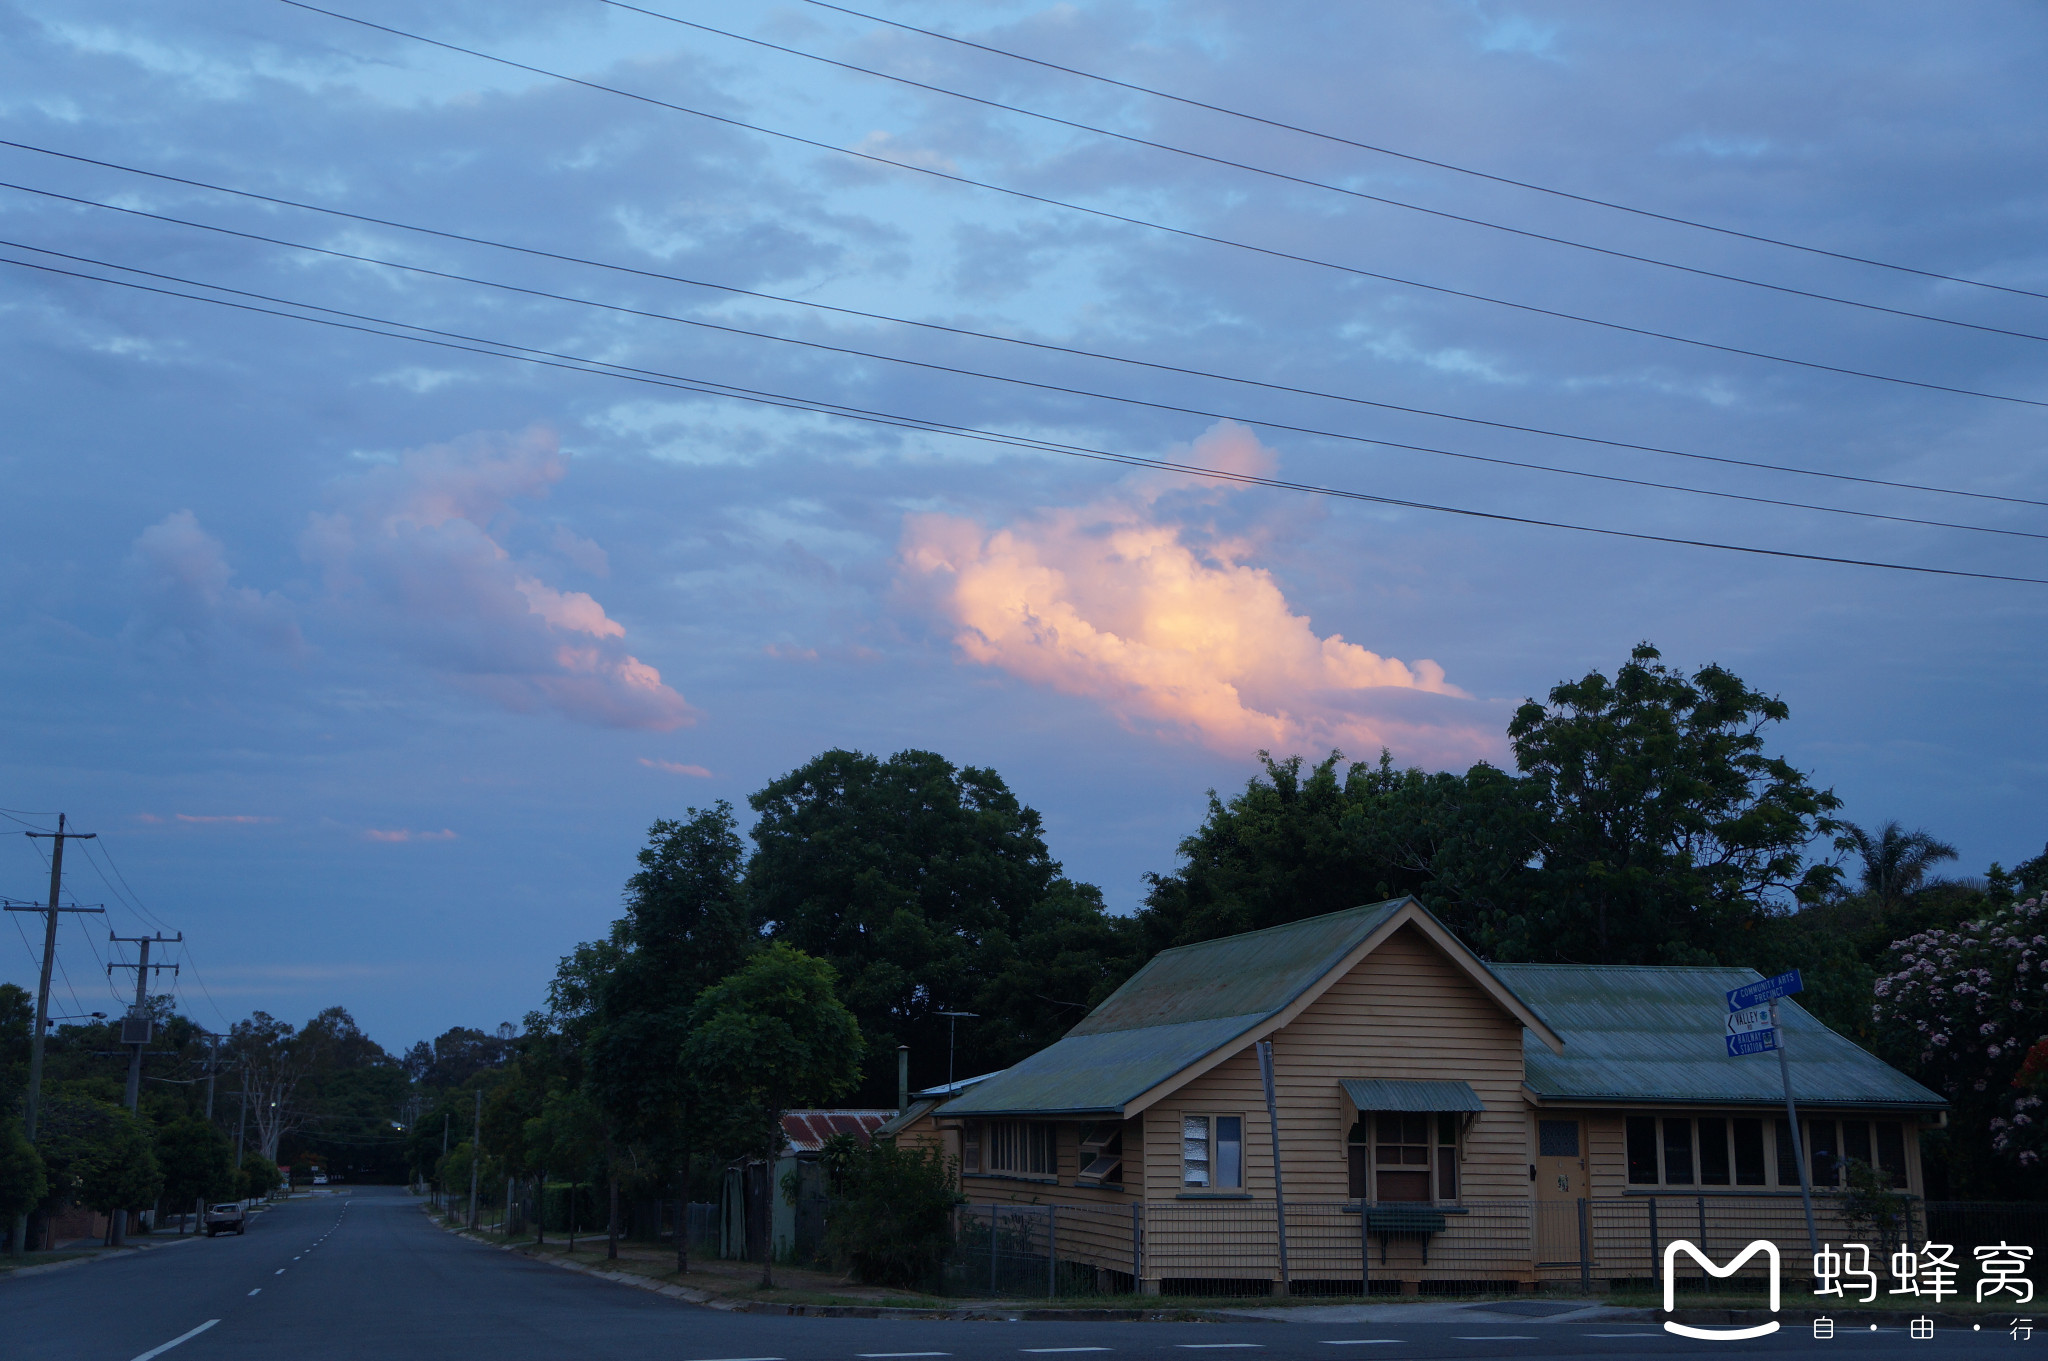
(415,555)
(675,768)
(235,819)
(190,602)
(1111,601)
(397,834)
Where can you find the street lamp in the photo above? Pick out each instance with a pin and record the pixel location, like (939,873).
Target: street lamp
(953,1020)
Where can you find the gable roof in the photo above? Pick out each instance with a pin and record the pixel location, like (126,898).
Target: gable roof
(807,1131)
(1193,1006)
(1654,1033)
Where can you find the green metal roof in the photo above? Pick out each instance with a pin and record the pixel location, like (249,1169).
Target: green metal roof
(1397,1094)
(1656,1033)
(1184,1005)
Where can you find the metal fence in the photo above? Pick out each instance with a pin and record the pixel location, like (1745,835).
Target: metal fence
(1332,1248)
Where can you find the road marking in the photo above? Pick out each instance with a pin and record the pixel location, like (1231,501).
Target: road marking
(882,1354)
(257,1291)
(183,1337)
(1623,1334)
(1048,1351)
(745,1358)
(278,1272)
(1356,1341)
(1214,1346)
(1496,1337)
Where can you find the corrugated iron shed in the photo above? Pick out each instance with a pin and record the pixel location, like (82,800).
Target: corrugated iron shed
(1649,1034)
(806,1131)
(1185,1004)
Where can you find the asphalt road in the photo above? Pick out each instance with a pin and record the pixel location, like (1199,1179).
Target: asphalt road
(363,1276)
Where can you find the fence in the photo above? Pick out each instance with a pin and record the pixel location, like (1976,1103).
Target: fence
(1233,1248)
(562,1209)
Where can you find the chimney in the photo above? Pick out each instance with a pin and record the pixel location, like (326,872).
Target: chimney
(902,1078)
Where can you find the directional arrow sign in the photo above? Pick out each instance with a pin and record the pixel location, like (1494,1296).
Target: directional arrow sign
(1752,1042)
(1750,994)
(1748,1020)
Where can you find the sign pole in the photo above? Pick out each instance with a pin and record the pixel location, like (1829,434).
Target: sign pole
(1798,1142)
(1265,1052)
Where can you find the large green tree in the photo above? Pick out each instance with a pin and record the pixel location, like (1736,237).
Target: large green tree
(921,883)
(1666,833)
(97,1154)
(197,1160)
(773,1037)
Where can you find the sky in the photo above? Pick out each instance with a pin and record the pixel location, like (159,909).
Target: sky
(427,465)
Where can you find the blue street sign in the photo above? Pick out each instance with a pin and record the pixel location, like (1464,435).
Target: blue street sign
(1750,994)
(1752,1042)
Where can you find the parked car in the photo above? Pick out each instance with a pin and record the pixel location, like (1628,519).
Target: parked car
(319,1178)
(227,1217)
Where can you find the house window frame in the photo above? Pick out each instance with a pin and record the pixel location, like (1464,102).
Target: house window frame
(1446,1132)
(1101,1154)
(1212,1162)
(1035,1143)
(1780,1168)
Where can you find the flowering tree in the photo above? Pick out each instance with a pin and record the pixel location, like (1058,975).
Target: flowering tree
(1965,1010)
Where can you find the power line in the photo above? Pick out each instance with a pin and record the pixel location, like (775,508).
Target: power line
(1183,232)
(961,371)
(579,364)
(1436,164)
(1306,182)
(941,328)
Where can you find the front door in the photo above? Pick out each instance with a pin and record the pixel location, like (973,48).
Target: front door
(1560,1185)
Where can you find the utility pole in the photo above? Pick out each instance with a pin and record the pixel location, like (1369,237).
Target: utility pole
(212,1065)
(476,1156)
(33,1102)
(443,1169)
(135,1031)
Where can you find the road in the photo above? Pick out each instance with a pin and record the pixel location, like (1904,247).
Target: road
(363,1276)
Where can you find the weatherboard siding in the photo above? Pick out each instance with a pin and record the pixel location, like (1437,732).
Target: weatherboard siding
(1404,1011)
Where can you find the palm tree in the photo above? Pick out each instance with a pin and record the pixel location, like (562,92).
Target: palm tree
(1895,861)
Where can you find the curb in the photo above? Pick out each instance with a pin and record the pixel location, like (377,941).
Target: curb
(1844,1318)
(100,1254)
(965,1314)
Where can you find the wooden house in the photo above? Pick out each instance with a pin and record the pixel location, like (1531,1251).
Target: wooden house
(1443,1124)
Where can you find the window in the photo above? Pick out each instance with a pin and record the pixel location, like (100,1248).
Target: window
(1891,1150)
(1358,1152)
(1400,1156)
(1749,1151)
(970,1147)
(1024,1148)
(1212,1151)
(1557,1138)
(1824,1148)
(1102,1153)
(1447,1156)
(1642,1150)
(1856,1142)
(1677,1151)
(1788,1165)
(1713,1151)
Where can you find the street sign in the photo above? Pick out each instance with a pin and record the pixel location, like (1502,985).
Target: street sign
(1752,1042)
(1764,990)
(1749,1019)
(1750,1032)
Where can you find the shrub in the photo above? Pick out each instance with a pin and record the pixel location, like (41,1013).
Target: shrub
(891,1217)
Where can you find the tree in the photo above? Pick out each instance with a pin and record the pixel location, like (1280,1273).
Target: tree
(916,880)
(1666,834)
(772,1037)
(197,1159)
(17,1022)
(1895,862)
(1961,1010)
(97,1154)
(1292,845)
(23,1182)
(272,1067)
(257,1177)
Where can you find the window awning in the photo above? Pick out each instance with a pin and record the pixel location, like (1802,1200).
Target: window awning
(1396,1094)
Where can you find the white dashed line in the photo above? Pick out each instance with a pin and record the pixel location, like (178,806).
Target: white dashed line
(182,1337)
(1054,1351)
(1624,1334)
(257,1291)
(1357,1341)
(1216,1346)
(278,1272)
(874,1355)
(1496,1337)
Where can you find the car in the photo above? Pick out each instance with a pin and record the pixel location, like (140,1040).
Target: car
(319,1178)
(226,1217)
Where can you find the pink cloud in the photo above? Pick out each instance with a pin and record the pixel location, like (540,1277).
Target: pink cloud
(675,768)
(191,599)
(237,818)
(395,834)
(1112,602)
(415,553)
